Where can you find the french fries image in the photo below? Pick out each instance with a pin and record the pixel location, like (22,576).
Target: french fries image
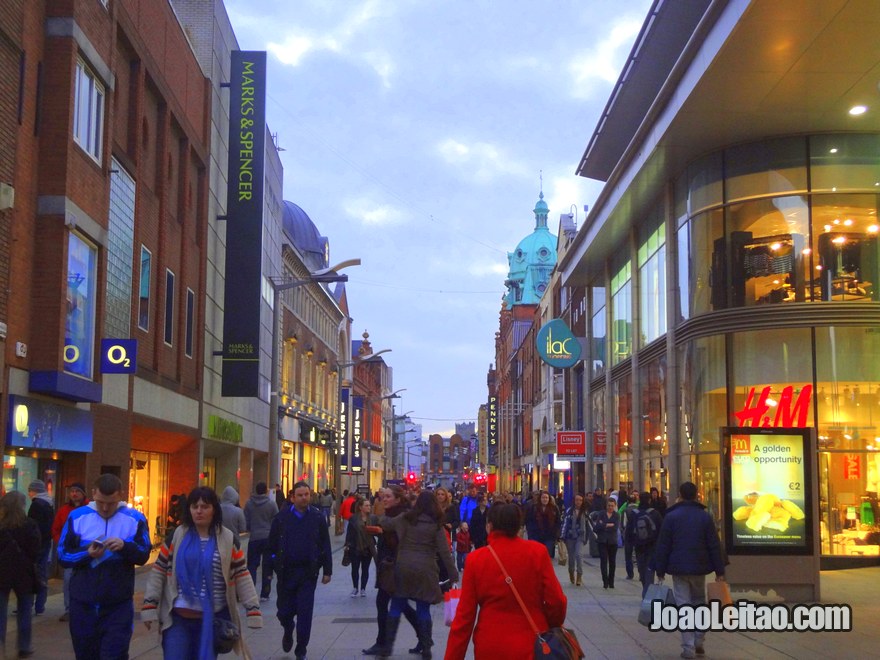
(767,511)
(795,511)
(757,520)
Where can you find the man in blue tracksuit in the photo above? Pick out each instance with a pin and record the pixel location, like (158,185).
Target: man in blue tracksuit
(300,545)
(102,542)
(468,504)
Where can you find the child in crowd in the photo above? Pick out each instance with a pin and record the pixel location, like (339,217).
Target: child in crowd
(462,545)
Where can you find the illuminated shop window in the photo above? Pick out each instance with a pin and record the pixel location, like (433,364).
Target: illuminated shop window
(79,327)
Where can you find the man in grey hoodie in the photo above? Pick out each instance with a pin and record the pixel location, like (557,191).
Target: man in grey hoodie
(259,512)
(233,516)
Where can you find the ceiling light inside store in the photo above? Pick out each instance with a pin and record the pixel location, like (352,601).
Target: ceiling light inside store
(847,222)
(833,150)
(806,251)
(858,110)
(836,221)
(827,227)
(775,246)
(873,229)
(838,240)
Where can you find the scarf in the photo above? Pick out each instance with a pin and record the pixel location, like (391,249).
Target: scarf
(195,579)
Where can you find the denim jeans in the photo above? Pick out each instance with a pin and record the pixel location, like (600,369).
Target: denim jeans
(690,590)
(423,608)
(360,570)
(574,555)
(643,559)
(23,618)
(181,641)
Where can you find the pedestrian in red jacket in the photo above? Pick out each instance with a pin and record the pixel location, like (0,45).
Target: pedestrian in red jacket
(76,497)
(502,629)
(463,545)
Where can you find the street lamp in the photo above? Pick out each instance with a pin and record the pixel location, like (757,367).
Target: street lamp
(280,284)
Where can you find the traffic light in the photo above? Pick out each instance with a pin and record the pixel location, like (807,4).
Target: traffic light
(411,479)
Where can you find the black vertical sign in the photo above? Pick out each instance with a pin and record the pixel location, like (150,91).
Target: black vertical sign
(244,224)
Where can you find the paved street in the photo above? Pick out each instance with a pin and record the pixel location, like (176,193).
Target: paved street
(605,622)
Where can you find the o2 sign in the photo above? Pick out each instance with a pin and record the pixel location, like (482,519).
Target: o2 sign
(118,356)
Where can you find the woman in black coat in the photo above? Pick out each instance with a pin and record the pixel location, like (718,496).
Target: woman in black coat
(479,517)
(19,547)
(606,528)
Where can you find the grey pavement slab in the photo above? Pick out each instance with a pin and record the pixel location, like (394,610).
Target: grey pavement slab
(604,620)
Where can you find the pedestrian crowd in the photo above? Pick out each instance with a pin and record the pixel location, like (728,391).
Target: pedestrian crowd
(204,588)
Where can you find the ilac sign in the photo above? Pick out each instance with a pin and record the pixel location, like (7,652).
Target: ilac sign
(557,345)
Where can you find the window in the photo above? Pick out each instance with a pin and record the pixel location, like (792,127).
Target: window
(120,241)
(190,322)
(652,286)
(621,314)
(144,289)
(82,299)
(169,307)
(88,111)
(597,352)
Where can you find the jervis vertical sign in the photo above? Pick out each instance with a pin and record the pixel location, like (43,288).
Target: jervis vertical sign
(244,224)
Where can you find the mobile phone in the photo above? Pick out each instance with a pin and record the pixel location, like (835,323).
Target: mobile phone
(98,543)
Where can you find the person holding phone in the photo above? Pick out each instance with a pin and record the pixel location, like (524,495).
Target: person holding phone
(103,542)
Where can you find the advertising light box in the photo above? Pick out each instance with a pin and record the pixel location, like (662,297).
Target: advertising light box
(768,490)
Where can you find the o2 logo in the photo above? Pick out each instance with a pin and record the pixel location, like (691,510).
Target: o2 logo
(118,356)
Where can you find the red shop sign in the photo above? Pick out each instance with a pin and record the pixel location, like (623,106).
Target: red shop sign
(852,466)
(790,412)
(600,443)
(571,443)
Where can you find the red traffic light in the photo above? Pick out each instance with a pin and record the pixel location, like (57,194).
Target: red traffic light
(411,478)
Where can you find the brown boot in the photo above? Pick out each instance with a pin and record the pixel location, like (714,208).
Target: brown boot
(579,576)
(571,576)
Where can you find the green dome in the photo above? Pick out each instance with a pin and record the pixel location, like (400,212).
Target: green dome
(532,262)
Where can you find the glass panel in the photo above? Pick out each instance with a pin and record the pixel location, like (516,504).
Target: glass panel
(848,387)
(708,272)
(652,294)
(684,273)
(169,307)
(621,314)
(79,327)
(772,378)
(599,320)
(144,289)
(844,162)
(705,473)
(623,440)
(703,393)
(655,446)
(120,240)
(846,258)
(768,238)
(848,508)
(765,168)
(705,183)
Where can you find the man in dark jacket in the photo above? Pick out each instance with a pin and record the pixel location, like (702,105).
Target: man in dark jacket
(479,535)
(103,542)
(42,511)
(688,549)
(259,512)
(300,547)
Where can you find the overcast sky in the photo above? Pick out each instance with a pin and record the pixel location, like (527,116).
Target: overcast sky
(414,132)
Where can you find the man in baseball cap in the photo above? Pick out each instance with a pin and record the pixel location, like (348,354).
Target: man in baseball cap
(76,497)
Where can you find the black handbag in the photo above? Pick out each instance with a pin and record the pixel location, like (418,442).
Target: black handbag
(226,634)
(555,644)
(346,557)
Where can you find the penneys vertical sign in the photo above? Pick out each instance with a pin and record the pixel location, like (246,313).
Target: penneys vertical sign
(492,435)
(244,224)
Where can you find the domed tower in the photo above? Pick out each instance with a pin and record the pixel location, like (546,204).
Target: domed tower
(532,262)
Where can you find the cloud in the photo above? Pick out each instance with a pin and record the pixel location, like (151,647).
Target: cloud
(603,62)
(345,38)
(480,161)
(373,214)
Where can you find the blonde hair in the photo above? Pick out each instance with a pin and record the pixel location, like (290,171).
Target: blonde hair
(447,502)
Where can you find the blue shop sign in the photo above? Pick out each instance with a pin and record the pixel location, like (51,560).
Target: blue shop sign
(36,424)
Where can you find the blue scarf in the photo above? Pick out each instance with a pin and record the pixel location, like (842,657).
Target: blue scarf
(194,573)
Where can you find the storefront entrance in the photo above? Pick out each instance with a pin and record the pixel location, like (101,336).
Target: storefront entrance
(147,486)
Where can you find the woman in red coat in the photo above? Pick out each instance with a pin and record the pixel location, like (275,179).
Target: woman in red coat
(502,627)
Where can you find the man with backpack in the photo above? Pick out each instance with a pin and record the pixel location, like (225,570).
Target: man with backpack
(642,530)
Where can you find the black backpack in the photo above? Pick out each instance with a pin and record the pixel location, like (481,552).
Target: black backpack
(645,529)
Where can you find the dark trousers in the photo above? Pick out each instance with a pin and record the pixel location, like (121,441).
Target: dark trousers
(43,573)
(296,600)
(258,551)
(101,631)
(326,511)
(628,549)
(607,562)
(383,600)
(360,567)
(643,558)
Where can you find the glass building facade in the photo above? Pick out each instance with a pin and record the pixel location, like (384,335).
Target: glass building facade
(751,288)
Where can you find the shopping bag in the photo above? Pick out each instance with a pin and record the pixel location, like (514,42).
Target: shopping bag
(561,553)
(659,592)
(719,591)
(450,604)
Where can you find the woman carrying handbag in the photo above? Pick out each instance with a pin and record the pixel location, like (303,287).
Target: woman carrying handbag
(360,546)
(490,610)
(196,584)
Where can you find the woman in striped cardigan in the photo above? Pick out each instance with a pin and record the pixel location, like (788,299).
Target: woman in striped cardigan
(201,575)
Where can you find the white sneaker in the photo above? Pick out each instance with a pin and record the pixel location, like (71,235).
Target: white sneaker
(363,593)
(354,593)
